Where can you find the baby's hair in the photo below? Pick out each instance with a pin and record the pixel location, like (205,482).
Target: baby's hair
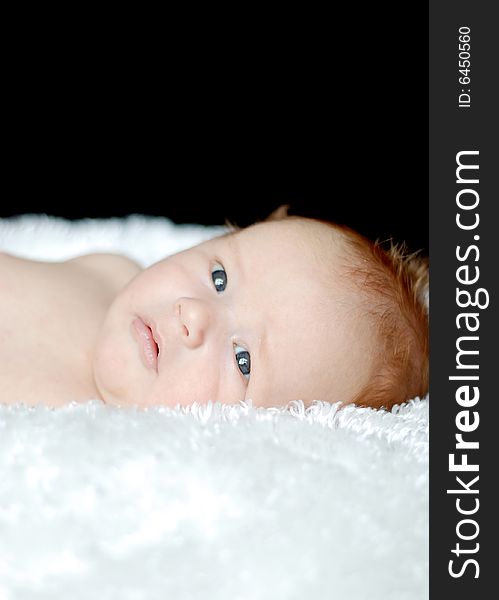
(394,286)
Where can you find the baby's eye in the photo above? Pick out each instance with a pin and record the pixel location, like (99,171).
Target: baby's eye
(243,360)
(219,277)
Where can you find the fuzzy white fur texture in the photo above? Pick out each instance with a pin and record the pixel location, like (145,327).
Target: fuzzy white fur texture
(206,502)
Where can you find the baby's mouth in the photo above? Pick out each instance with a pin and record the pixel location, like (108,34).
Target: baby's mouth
(147,343)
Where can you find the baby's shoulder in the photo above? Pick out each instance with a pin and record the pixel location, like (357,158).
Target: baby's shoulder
(112,267)
(106,260)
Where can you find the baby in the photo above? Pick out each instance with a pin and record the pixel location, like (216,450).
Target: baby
(289,308)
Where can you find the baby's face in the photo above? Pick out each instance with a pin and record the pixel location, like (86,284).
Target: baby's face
(244,316)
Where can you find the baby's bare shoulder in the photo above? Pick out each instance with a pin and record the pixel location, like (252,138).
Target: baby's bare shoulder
(106,260)
(116,267)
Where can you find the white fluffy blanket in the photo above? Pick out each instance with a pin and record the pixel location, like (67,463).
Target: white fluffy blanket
(206,502)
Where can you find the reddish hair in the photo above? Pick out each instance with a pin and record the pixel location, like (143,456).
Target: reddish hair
(394,284)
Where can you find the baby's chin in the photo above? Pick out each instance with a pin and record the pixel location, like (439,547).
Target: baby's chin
(110,386)
(112,399)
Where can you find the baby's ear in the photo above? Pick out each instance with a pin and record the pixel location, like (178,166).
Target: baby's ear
(279,213)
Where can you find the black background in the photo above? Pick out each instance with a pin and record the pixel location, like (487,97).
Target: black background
(327,116)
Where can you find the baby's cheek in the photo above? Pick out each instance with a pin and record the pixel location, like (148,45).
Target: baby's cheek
(168,393)
(103,366)
(181,384)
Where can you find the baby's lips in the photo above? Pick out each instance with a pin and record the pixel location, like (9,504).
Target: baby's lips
(148,345)
(158,339)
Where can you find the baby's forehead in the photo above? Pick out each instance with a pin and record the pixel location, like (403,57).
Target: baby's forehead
(287,235)
(296,248)
(290,271)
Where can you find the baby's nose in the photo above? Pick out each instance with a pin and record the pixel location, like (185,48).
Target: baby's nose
(195,318)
